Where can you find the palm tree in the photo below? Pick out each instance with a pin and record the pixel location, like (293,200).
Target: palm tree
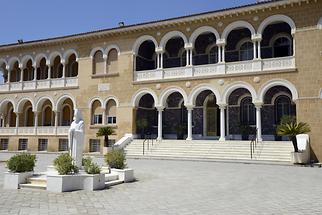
(105,131)
(291,129)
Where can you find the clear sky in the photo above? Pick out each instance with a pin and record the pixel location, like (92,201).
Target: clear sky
(39,19)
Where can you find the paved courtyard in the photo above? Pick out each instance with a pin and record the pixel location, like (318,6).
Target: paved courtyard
(182,187)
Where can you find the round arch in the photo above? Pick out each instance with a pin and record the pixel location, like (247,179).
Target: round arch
(276,18)
(198,89)
(93,100)
(21,104)
(170,35)
(138,95)
(168,91)
(110,47)
(68,53)
(237,24)
(39,57)
(25,60)
(96,49)
(53,55)
(142,39)
(61,100)
(278,82)
(41,101)
(203,29)
(237,85)
(111,98)
(3,61)
(6,101)
(12,61)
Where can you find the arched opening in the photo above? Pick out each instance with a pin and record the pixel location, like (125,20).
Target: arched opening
(112,61)
(57,68)
(175,117)
(42,70)
(72,66)
(146,57)
(111,112)
(277,104)
(277,41)
(15,73)
(97,113)
(239,45)
(241,114)
(206,116)
(146,116)
(205,49)
(98,63)
(47,116)
(28,72)
(3,74)
(65,111)
(175,53)
(28,115)
(67,115)
(10,120)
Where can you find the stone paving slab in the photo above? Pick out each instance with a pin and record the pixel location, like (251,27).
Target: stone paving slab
(184,188)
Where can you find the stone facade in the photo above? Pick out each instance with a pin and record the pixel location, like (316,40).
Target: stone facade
(119,80)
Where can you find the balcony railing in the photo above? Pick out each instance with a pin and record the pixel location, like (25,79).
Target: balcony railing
(40,84)
(253,66)
(42,130)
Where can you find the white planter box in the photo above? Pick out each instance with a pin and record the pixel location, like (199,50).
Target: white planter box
(94,182)
(64,183)
(300,157)
(126,175)
(12,180)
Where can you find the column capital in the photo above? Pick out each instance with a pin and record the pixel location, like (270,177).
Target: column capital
(159,50)
(160,108)
(222,105)
(256,37)
(221,42)
(188,46)
(258,104)
(189,107)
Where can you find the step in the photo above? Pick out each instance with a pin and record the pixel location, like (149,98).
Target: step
(33,186)
(112,183)
(37,181)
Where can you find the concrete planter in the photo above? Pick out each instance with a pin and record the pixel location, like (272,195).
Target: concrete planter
(126,175)
(64,183)
(94,182)
(299,158)
(12,180)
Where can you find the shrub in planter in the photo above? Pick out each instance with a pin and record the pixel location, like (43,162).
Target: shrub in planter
(116,159)
(90,167)
(64,165)
(24,162)
(86,162)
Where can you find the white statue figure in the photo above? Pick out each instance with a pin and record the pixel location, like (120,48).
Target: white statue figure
(76,138)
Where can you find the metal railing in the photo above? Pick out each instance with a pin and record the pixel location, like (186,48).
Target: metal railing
(146,142)
(253,143)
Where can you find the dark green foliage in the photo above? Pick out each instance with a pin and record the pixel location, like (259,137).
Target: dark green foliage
(116,159)
(64,165)
(90,167)
(21,163)
(105,132)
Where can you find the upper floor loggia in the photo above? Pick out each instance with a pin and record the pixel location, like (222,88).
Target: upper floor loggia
(240,49)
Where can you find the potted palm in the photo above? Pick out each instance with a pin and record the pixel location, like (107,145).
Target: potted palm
(290,128)
(105,132)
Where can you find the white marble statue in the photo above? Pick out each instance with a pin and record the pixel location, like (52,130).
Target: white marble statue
(76,138)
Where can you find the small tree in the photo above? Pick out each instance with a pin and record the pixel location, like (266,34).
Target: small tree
(105,132)
(290,128)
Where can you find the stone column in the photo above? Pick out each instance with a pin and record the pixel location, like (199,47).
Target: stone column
(254,49)
(223,49)
(36,113)
(56,118)
(21,73)
(9,73)
(104,116)
(17,119)
(219,54)
(160,110)
(189,109)
(259,55)
(187,57)
(49,71)
(64,69)
(105,63)
(222,123)
(259,121)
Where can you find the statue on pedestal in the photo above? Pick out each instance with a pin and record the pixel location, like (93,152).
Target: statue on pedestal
(76,139)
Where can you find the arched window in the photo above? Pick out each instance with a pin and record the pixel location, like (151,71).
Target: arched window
(15,73)
(146,57)
(72,66)
(3,74)
(97,113)
(112,61)
(247,111)
(98,63)
(47,116)
(173,48)
(282,107)
(42,70)
(246,51)
(66,115)
(28,73)
(205,49)
(57,69)
(29,117)
(111,112)
(282,47)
